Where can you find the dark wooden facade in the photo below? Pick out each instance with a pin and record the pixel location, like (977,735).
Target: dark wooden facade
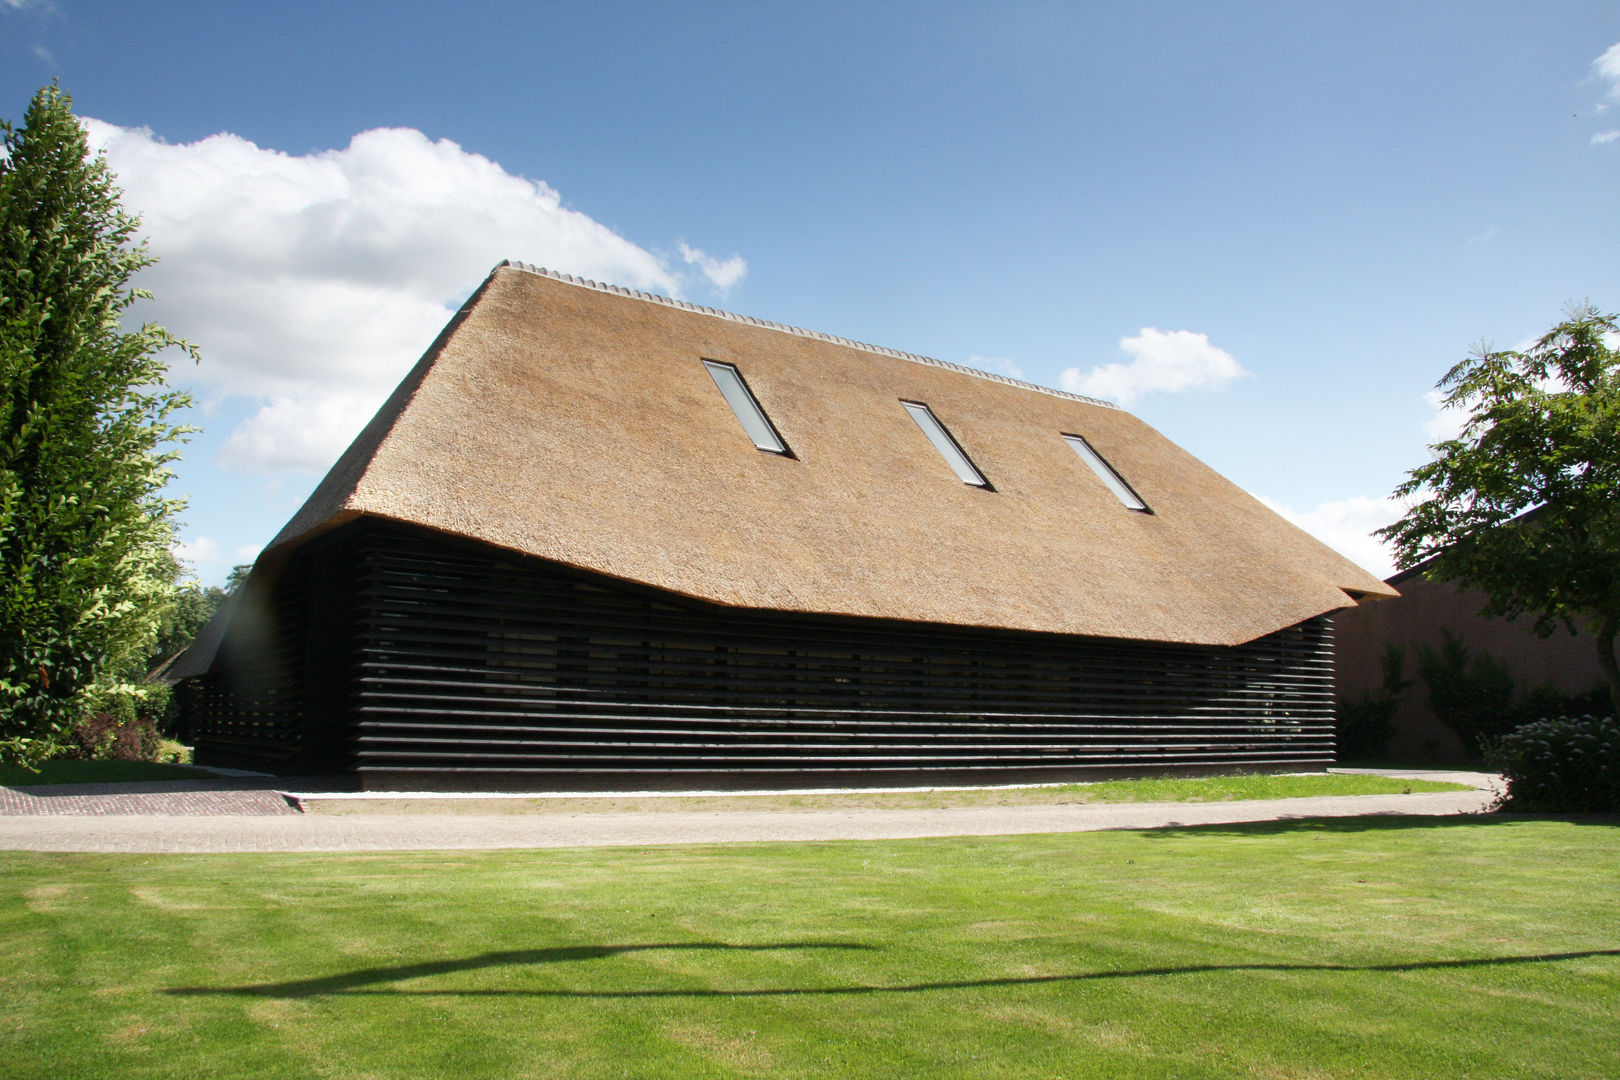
(422,661)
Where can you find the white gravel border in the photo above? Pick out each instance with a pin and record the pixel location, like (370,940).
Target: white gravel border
(1455,776)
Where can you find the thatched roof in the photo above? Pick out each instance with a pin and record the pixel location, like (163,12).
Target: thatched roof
(576,422)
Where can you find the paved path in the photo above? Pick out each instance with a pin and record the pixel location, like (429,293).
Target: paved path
(239,798)
(213,832)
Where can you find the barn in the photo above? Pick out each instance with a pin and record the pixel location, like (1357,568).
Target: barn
(600,538)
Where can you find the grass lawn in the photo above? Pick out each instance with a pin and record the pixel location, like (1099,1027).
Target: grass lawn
(96,772)
(1377,947)
(1144,789)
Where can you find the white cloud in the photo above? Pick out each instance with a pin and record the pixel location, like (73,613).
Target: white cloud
(199,551)
(1160,361)
(1483,237)
(1445,423)
(722,273)
(998,364)
(313,282)
(1607,67)
(292,433)
(1346,526)
(246,553)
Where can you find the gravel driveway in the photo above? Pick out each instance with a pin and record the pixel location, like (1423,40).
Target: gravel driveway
(242,817)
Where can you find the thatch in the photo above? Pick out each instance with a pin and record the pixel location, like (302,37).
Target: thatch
(575,422)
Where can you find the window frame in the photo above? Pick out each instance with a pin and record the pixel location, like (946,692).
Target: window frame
(781,449)
(946,439)
(1104,470)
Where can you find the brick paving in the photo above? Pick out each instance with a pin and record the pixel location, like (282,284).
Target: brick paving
(163,798)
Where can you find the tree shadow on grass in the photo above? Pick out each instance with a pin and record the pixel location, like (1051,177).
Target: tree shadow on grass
(1372,823)
(362,982)
(352,981)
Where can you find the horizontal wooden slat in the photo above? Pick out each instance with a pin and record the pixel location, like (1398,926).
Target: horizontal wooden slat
(462,661)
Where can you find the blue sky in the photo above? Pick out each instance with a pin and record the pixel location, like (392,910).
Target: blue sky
(1266,228)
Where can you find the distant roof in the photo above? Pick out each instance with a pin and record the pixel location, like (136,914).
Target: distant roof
(575,422)
(1421,568)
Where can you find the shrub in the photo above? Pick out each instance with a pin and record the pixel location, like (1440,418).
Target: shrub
(1470,692)
(1565,765)
(1547,702)
(1361,729)
(116,730)
(156,707)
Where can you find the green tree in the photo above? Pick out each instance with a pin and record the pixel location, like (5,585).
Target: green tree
(188,611)
(84,434)
(1525,502)
(188,606)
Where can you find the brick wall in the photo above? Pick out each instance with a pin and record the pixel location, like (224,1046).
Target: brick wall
(1567,661)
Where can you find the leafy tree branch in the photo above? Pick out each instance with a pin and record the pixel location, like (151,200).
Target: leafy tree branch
(1524,503)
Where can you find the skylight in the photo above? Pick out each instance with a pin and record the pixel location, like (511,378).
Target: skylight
(1105,472)
(754,421)
(947,446)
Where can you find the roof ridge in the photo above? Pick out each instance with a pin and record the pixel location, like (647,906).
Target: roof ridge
(749,320)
